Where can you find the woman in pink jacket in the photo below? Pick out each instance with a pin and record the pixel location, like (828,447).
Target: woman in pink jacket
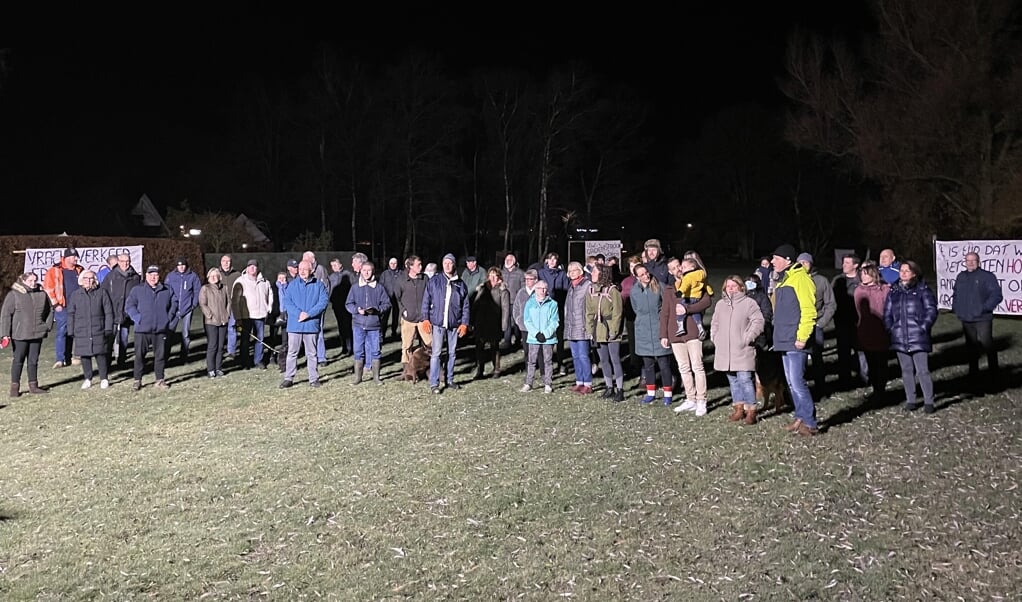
(874,342)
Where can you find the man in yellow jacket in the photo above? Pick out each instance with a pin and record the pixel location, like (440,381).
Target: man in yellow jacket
(794,319)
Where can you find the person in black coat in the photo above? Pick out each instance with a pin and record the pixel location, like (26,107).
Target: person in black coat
(909,314)
(118,283)
(152,306)
(90,320)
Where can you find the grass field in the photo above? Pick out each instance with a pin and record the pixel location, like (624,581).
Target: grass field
(233,489)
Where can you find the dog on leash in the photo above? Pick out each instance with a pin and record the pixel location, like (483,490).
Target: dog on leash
(418,363)
(770,372)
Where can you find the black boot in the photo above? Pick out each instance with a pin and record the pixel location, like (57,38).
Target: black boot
(359,367)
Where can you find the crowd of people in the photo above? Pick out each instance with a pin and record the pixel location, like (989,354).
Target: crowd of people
(776,315)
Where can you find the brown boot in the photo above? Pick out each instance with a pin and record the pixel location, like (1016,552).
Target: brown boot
(33,387)
(15,389)
(750,414)
(794,426)
(737,412)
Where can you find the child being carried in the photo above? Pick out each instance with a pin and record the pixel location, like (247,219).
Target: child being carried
(689,289)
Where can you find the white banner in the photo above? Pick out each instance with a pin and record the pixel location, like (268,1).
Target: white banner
(1001,257)
(38,261)
(609,248)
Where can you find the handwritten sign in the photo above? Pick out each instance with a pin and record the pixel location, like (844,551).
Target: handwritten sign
(1001,257)
(38,261)
(609,248)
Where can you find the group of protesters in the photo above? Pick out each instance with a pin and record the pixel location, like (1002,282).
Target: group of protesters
(654,306)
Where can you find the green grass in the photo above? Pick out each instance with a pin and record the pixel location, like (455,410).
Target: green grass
(234,489)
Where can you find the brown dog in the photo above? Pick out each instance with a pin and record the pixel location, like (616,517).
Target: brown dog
(418,363)
(770,373)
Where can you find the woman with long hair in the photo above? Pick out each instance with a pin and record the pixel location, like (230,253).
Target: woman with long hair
(604,313)
(491,314)
(909,314)
(647,297)
(874,342)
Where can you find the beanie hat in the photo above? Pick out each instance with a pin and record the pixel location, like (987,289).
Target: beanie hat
(786,251)
(804,257)
(451,257)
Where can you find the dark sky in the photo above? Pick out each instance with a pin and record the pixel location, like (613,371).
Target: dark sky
(143,106)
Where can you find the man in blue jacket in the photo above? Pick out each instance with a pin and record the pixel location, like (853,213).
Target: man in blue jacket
(445,309)
(977,295)
(185,285)
(152,306)
(305,300)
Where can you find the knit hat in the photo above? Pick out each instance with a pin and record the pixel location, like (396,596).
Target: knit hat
(786,251)
(70,252)
(182,261)
(451,257)
(653,242)
(804,257)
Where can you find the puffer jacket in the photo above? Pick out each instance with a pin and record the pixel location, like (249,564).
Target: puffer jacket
(794,309)
(909,315)
(977,295)
(215,304)
(491,311)
(251,298)
(53,282)
(736,322)
(186,286)
(27,314)
(434,301)
(541,317)
(90,319)
(152,309)
(118,284)
(307,296)
(647,301)
(575,311)
(365,295)
(604,314)
(869,303)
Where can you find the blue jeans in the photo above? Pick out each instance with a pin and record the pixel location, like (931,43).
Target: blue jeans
(60,341)
(795,373)
(232,336)
(367,344)
(186,339)
(441,334)
(580,360)
(742,389)
(249,325)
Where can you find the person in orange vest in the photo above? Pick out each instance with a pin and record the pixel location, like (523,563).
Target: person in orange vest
(59,282)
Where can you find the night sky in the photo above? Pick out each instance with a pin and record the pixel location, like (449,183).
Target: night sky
(108,118)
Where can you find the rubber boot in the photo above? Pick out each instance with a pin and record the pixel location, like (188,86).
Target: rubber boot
(496,364)
(15,389)
(737,412)
(359,367)
(376,372)
(750,414)
(33,387)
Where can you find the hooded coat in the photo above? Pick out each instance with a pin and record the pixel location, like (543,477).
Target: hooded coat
(737,321)
(27,314)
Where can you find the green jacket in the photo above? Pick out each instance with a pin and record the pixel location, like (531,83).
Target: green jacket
(604,312)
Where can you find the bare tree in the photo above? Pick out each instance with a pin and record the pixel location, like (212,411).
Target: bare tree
(927,108)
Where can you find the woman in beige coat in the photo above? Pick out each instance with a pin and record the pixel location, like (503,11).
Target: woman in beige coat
(736,323)
(215,303)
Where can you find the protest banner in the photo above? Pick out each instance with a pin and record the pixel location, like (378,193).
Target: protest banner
(609,248)
(38,261)
(1001,257)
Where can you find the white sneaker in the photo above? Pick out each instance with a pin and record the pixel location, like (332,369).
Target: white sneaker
(86,384)
(548,389)
(700,408)
(687,406)
(525,388)
(103,384)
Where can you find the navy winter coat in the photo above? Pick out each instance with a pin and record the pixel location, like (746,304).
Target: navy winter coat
(909,314)
(434,299)
(363,295)
(152,309)
(977,294)
(186,288)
